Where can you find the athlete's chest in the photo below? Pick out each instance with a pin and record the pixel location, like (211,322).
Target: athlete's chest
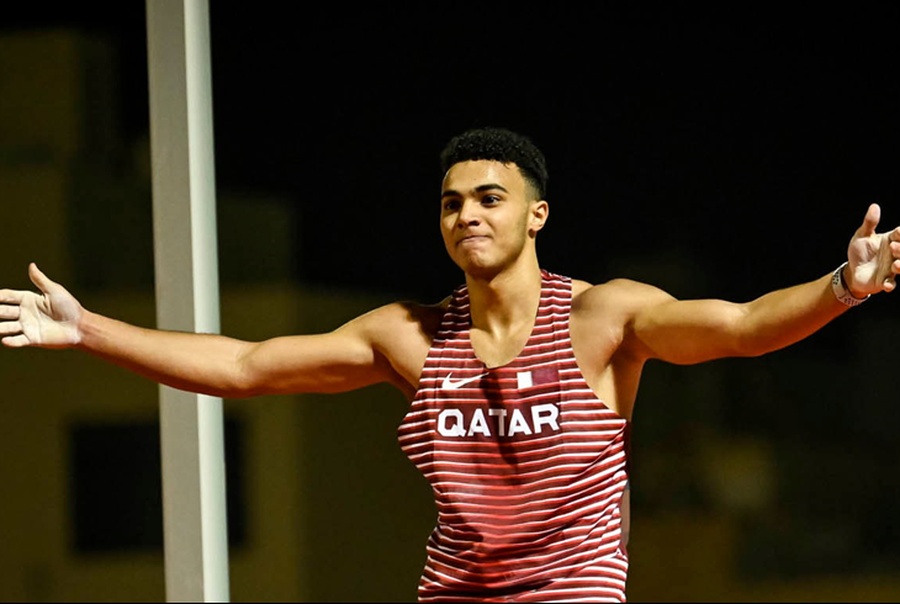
(497,350)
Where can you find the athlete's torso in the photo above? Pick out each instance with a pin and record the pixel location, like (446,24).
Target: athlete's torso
(528,466)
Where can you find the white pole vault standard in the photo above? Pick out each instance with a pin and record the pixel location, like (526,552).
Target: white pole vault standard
(184,225)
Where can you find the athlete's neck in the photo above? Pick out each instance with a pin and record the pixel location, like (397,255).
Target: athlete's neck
(505,302)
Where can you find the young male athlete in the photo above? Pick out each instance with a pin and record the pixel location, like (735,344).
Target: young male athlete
(521,382)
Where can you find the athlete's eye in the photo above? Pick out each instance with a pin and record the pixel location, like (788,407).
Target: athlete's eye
(451,205)
(490,199)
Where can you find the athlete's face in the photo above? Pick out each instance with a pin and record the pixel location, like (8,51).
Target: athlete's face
(488,216)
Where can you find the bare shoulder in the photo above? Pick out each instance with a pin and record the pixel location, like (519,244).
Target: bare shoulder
(404,318)
(614,298)
(401,333)
(604,316)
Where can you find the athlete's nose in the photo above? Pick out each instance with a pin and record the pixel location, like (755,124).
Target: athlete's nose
(468,214)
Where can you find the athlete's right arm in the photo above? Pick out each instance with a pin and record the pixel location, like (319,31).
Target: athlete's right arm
(347,358)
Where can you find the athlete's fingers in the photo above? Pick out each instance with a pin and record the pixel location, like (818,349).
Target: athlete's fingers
(11,296)
(10,328)
(871,220)
(9,312)
(17,341)
(42,281)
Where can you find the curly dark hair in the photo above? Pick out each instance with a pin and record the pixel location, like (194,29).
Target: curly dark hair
(499,144)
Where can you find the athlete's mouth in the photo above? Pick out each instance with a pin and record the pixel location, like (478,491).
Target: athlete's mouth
(471,239)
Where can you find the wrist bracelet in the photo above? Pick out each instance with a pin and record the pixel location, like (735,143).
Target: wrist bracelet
(840,290)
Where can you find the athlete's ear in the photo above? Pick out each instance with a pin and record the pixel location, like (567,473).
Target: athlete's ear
(540,210)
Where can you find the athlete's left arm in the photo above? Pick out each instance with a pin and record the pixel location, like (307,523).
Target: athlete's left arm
(692,331)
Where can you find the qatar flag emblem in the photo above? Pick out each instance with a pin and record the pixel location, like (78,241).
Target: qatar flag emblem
(537,377)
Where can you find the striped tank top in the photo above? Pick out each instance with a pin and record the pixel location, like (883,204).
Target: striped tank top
(528,467)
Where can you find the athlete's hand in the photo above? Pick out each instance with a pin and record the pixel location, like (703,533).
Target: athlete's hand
(874,258)
(47,320)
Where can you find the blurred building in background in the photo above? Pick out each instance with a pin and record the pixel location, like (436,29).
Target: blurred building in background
(767,479)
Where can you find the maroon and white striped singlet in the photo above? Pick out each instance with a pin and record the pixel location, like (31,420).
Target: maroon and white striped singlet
(528,466)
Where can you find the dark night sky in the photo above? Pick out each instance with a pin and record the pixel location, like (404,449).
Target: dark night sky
(750,140)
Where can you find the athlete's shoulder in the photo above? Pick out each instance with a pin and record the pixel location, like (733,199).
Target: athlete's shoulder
(618,293)
(401,316)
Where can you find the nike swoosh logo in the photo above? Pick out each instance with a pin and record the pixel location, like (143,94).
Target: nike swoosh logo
(449,384)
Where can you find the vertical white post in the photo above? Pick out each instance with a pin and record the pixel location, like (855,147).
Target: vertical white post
(184,222)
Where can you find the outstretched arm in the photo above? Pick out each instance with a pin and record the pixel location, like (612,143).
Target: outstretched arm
(347,358)
(692,331)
